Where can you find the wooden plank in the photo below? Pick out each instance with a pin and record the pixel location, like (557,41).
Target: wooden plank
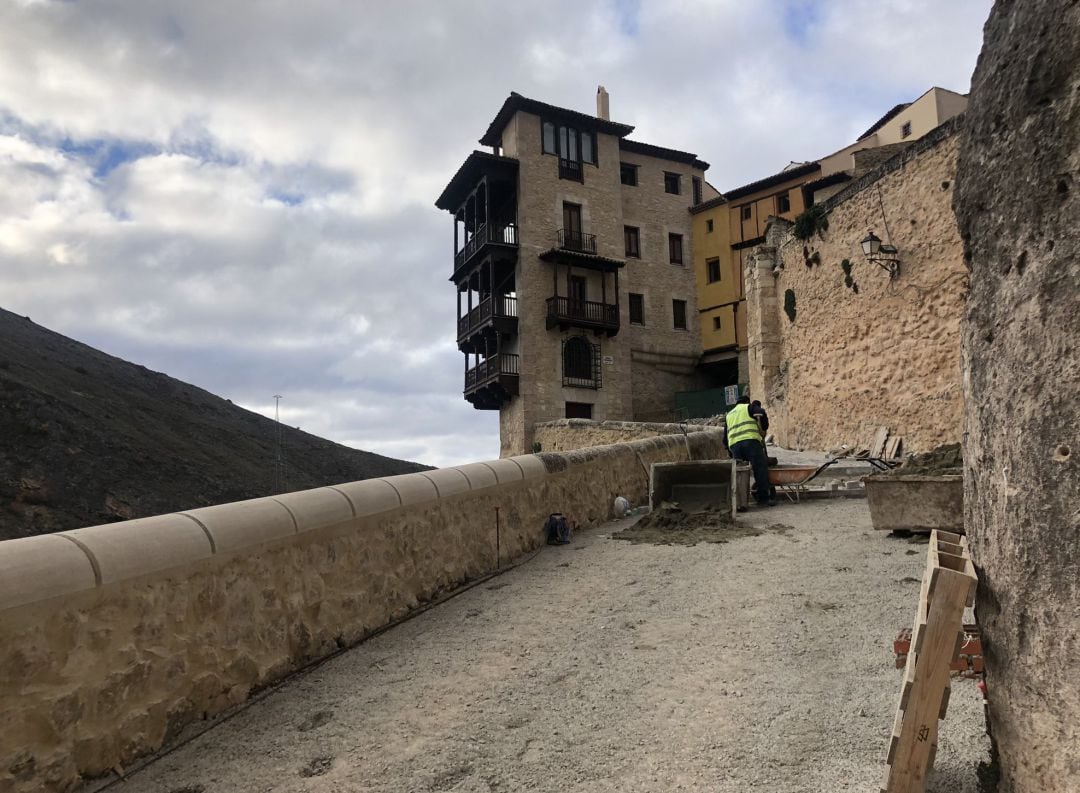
(877,444)
(948,585)
(918,734)
(892,447)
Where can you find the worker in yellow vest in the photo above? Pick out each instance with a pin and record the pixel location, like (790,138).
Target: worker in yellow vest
(745,442)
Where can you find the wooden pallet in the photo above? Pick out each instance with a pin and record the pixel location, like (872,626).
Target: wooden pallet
(948,586)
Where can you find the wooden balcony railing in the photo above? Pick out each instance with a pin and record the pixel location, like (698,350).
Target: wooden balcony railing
(493,233)
(582,313)
(504,363)
(572,240)
(497,306)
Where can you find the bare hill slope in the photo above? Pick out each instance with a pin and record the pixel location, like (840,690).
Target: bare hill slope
(87,438)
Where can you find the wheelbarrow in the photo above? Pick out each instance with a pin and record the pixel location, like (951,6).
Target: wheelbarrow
(792,479)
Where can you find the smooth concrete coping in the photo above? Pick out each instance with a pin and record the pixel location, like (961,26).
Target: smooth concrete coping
(505,471)
(242,524)
(370,496)
(448,481)
(531,466)
(313,509)
(38,568)
(412,488)
(145,545)
(480,475)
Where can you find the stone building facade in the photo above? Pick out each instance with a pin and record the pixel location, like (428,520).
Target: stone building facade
(852,349)
(573,264)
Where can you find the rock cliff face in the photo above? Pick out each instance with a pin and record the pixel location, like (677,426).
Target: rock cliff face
(86,438)
(1018,205)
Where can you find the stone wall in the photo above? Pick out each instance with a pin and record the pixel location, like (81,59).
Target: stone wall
(568,434)
(1017,202)
(116,636)
(887,354)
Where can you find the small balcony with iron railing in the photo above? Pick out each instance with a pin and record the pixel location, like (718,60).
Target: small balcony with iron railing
(497,313)
(571,169)
(566,312)
(503,236)
(493,381)
(574,240)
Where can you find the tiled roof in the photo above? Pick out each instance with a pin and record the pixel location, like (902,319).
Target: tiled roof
(885,119)
(660,152)
(516,102)
(769,181)
(467,176)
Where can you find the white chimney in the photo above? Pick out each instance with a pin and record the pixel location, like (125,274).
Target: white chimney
(603,110)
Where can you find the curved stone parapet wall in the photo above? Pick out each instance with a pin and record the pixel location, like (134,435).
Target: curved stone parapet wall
(114,637)
(567,434)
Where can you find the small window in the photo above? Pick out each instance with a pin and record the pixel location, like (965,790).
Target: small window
(713,268)
(783,203)
(708,226)
(747,212)
(637,309)
(578,410)
(633,241)
(588,148)
(695,183)
(549,138)
(628,174)
(905,130)
(678,312)
(675,248)
(671,183)
(717,324)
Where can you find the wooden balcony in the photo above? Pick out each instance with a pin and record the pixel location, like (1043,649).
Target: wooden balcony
(497,313)
(501,236)
(563,312)
(492,382)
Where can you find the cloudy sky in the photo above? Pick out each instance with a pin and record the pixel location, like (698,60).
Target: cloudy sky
(240,194)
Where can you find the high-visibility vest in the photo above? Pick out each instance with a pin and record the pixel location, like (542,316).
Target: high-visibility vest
(741,426)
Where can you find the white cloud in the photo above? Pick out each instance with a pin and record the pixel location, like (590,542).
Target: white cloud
(242,197)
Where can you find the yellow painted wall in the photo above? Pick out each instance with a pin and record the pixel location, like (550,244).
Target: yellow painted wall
(762,204)
(715,300)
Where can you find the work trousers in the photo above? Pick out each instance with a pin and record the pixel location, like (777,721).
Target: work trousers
(754,453)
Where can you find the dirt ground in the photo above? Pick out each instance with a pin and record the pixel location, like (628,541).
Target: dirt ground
(760,663)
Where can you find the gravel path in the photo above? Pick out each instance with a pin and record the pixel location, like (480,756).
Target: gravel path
(764,663)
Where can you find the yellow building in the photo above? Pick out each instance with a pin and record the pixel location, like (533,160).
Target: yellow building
(725,229)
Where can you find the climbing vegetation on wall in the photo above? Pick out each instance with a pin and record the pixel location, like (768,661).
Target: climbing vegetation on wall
(849,281)
(812,221)
(789,304)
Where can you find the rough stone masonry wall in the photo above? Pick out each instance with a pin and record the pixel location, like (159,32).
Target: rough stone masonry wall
(114,637)
(888,355)
(541,194)
(664,358)
(1018,206)
(568,434)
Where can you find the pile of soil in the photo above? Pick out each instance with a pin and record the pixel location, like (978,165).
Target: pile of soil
(670,525)
(945,459)
(90,439)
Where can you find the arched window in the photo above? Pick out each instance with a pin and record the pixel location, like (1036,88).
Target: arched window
(581,363)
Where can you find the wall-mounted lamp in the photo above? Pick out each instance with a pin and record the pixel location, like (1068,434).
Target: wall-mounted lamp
(882,254)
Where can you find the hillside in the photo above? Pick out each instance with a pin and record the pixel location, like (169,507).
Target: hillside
(87,438)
